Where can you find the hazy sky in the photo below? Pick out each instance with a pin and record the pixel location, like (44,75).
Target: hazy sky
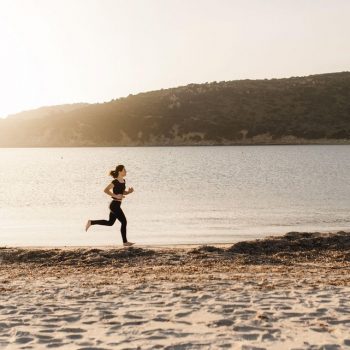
(66,51)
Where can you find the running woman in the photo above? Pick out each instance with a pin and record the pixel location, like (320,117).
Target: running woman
(116,189)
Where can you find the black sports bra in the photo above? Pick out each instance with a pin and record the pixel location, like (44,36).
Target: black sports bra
(119,187)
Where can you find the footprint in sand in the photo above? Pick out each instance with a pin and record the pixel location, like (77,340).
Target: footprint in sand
(56,344)
(205,297)
(183,314)
(74,336)
(3,325)
(89,322)
(53,320)
(268,337)
(91,348)
(10,312)
(107,317)
(221,323)
(177,334)
(335,322)
(115,326)
(247,329)
(43,337)
(72,330)
(292,314)
(252,336)
(250,347)
(151,331)
(160,319)
(47,331)
(24,340)
(135,323)
(131,316)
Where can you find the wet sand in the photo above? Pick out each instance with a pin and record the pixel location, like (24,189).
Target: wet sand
(287,292)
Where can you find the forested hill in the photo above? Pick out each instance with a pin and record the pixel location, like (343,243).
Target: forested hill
(312,109)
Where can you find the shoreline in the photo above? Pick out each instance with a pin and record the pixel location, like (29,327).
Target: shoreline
(168,245)
(281,249)
(229,144)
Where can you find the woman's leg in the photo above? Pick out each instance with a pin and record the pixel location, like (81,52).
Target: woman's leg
(121,217)
(110,222)
(124,222)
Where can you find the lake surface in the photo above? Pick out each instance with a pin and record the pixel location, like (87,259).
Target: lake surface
(182,194)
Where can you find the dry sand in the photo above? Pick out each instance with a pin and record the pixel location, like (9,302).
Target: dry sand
(288,292)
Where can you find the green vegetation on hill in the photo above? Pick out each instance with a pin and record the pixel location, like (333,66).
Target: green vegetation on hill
(312,109)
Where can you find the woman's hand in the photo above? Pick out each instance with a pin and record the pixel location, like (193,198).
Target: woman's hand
(130,190)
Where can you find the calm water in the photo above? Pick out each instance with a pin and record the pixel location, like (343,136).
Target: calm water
(182,194)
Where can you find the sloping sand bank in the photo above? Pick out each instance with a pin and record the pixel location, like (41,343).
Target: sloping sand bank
(287,292)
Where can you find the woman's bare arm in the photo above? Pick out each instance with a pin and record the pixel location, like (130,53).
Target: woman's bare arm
(130,190)
(109,190)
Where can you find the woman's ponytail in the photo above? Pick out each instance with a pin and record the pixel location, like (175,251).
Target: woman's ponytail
(115,173)
(112,173)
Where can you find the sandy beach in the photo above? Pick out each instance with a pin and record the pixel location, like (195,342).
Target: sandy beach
(285,292)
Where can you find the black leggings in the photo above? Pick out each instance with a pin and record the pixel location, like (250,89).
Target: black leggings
(115,213)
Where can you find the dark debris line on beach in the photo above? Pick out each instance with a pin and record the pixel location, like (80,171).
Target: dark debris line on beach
(303,246)
(63,256)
